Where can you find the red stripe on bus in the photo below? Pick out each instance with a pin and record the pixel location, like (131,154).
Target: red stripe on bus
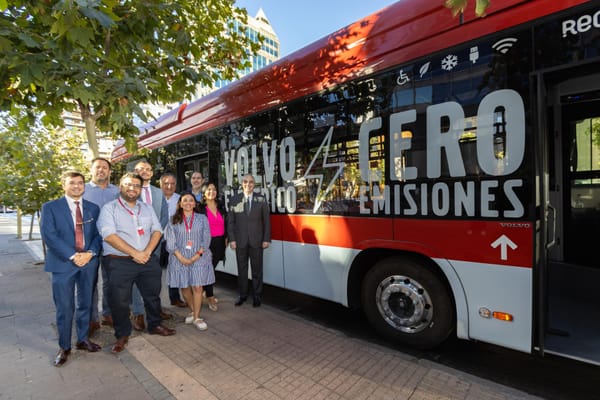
(494,242)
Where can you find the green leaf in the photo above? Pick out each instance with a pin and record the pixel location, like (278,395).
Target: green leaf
(104,20)
(480,7)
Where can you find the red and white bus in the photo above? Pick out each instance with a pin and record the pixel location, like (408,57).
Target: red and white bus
(440,173)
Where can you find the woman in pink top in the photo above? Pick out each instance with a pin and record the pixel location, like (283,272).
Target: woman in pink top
(215,212)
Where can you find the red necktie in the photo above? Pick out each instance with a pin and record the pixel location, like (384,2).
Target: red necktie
(78,228)
(148,199)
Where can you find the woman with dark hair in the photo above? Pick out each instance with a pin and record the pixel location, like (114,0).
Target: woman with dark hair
(190,266)
(215,213)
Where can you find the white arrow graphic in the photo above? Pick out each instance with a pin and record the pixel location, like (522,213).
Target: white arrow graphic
(503,241)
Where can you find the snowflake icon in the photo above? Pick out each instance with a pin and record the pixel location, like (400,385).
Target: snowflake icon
(449,62)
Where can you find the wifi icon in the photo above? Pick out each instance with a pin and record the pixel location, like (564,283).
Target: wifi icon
(504,45)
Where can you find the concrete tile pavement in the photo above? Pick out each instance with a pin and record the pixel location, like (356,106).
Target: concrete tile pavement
(246,353)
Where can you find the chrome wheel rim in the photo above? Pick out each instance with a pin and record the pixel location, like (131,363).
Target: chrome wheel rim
(404,304)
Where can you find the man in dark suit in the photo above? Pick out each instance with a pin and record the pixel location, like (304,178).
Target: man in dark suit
(68,228)
(249,232)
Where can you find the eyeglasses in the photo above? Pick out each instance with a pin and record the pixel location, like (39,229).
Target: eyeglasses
(246,181)
(168,184)
(132,185)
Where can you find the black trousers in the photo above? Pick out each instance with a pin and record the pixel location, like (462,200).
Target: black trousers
(255,254)
(122,274)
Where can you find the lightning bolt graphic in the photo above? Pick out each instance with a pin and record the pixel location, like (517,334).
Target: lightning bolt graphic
(324,148)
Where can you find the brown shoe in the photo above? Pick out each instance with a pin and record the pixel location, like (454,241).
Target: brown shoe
(162,331)
(179,303)
(165,315)
(107,320)
(138,323)
(120,344)
(61,357)
(94,326)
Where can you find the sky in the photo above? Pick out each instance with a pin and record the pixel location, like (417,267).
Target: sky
(299,23)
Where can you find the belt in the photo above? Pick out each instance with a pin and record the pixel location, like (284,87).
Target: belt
(121,257)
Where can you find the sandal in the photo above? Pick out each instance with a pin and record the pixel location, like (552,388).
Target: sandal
(212,305)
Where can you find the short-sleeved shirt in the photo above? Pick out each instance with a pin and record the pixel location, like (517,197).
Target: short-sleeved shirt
(98,195)
(116,217)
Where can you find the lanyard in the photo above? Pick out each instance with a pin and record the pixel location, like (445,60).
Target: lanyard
(188,228)
(140,229)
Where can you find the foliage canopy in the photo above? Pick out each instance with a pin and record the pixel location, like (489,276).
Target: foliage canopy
(105,58)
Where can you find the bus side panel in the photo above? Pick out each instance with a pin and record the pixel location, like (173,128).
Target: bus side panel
(498,288)
(273,259)
(320,271)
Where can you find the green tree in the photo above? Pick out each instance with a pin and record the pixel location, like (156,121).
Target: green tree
(459,6)
(33,160)
(105,58)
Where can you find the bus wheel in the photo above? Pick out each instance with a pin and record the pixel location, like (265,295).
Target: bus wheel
(407,302)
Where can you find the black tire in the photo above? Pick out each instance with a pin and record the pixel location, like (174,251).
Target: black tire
(405,301)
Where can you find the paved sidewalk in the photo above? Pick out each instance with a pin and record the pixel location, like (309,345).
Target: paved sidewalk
(246,353)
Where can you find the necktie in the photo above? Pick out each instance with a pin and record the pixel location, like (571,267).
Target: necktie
(247,205)
(147,198)
(78,228)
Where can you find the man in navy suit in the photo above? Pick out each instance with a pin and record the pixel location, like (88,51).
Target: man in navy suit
(72,258)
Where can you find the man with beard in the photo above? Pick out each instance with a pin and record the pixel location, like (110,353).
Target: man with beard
(131,232)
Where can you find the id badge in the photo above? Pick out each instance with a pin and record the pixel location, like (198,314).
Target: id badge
(188,245)
(140,230)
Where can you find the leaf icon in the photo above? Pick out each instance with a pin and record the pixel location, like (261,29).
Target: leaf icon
(423,70)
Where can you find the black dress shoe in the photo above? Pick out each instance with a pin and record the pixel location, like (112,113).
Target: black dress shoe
(89,346)
(61,357)
(256,302)
(240,301)
(162,331)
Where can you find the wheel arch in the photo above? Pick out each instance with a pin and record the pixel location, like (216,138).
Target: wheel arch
(441,267)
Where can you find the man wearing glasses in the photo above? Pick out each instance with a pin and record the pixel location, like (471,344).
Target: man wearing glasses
(68,228)
(249,232)
(131,232)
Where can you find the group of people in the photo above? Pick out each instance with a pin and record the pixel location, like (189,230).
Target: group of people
(130,231)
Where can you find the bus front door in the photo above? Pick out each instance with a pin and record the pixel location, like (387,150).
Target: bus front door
(572,325)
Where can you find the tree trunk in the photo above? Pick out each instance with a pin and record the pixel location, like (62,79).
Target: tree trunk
(89,119)
(31,226)
(90,131)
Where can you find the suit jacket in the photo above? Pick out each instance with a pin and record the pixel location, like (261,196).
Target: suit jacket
(252,229)
(58,233)
(160,206)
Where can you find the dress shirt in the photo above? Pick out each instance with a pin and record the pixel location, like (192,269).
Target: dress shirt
(172,203)
(115,218)
(73,209)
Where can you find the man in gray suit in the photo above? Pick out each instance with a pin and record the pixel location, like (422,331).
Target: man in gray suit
(249,232)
